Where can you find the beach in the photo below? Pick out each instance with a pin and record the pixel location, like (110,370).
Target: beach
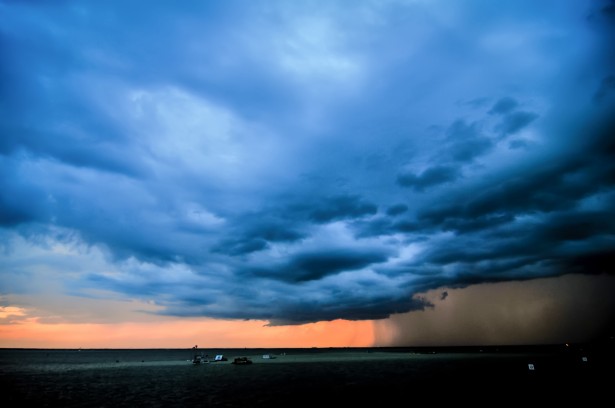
(286,377)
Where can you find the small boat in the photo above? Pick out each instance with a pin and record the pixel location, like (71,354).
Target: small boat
(220,357)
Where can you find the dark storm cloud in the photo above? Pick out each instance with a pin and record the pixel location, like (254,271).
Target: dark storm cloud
(554,185)
(383,226)
(511,119)
(373,228)
(465,141)
(476,103)
(397,209)
(19,203)
(375,308)
(38,86)
(565,242)
(302,310)
(504,106)
(316,265)
(607,86)
(254,233)
(548,220)
(518,144)
(431,177)
(577,226)
(241,246)
(263,160)
(277,233)
(515,122)
(341,207)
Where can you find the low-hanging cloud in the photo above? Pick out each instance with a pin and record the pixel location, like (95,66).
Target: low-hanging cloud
(431,177)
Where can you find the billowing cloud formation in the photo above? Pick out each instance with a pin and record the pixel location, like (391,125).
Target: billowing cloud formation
(304,161)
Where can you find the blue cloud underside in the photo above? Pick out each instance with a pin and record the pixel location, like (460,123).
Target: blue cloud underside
(298,162)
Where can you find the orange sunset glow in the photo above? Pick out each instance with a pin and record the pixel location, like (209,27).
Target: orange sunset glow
(207,333)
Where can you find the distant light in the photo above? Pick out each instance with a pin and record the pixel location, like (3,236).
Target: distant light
(567,345)
(584,359)
(530,367)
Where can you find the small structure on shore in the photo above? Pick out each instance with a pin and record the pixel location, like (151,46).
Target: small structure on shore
(196,357)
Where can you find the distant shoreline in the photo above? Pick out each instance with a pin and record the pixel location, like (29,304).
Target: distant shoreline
(476,348)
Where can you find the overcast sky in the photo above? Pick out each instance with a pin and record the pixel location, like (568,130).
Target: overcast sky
(302,161)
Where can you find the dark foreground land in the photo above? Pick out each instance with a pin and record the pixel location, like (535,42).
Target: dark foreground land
(494,376)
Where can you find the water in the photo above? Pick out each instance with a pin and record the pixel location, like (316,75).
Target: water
(167,378)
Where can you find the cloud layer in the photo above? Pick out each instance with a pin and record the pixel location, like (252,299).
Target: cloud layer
(304,161)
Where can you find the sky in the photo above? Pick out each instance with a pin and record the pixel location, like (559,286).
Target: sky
(306,173)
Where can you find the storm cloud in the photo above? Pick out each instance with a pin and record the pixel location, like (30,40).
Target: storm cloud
(304,161)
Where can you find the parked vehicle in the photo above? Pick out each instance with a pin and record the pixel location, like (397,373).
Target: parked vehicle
(241,361)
